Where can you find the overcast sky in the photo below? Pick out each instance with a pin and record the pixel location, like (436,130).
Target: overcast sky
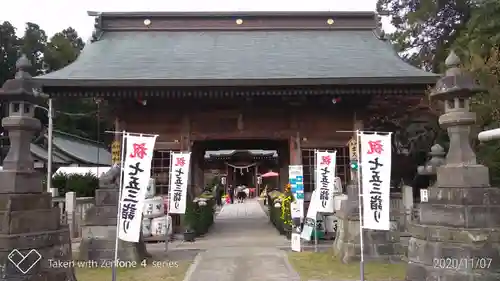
(55,15)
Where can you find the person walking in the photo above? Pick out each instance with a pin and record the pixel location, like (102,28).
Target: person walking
(231,193)
(218,194)
(240,193)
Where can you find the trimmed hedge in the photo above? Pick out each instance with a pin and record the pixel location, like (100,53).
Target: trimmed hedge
(83,185)
(274,197)
(200,214)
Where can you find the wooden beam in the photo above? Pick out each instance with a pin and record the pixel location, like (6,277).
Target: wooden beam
(324,143)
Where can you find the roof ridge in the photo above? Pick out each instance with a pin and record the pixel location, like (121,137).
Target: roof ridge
(227,13)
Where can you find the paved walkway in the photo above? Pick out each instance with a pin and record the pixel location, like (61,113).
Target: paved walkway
(242,246)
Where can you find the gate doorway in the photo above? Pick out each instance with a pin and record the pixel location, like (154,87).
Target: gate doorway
(242,161)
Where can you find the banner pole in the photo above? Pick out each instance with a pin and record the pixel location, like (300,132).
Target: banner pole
(315,192)
(122,160)
(168,196)
(360,198)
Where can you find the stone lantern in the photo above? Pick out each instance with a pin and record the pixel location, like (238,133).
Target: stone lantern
(455,89)
(429,169)
(456,236)
(32,238)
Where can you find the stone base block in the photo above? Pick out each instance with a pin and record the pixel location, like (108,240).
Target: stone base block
(101,215)
(24,202)
(98,244)
(28,241)
(106,197)
(20,182)
(453,255)
(390,252)
(48,263)
(378,245)
(30,221)
(420,272)
(65,274)
(468,176)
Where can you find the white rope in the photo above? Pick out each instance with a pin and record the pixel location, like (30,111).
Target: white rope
(241,167)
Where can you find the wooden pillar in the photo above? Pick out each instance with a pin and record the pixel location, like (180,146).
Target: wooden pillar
(295,150)
(294,146)
(117,129)
(353,144)
(284,154)
(119,122)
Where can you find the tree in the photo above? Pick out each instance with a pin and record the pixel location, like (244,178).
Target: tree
(9,51)
(413,121)
(479,44)
(49,55)
(62,49)
(426,29)
(34,43)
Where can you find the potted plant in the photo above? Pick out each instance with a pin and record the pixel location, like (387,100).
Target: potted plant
(190,221)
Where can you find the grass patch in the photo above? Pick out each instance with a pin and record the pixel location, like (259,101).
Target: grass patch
(324,266)
(150,273)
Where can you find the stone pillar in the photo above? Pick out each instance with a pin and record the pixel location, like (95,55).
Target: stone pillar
(99,227)
(456,237)
(32,238)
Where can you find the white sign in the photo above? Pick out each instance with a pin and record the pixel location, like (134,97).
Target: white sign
(297,209)
(179,175)
(424,195)
(375,155)
(325,180)
(312,214)
(296,247)
(136,174)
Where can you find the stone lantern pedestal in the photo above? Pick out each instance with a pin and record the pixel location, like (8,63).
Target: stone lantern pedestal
(33,243)
(99,227)
(457,237)
(378,245)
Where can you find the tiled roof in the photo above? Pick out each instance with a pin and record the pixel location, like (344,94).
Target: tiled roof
(180,57)
(84,150)
(42,153)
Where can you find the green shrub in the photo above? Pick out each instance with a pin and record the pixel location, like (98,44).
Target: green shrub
(199,218)
(275,213)
(207,195)
(190,217)
(205,217)
(83,185)
(286,208)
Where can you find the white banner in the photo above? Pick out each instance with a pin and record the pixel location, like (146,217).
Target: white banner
(325,180)
(136,174)
(179,175)
(375,156)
